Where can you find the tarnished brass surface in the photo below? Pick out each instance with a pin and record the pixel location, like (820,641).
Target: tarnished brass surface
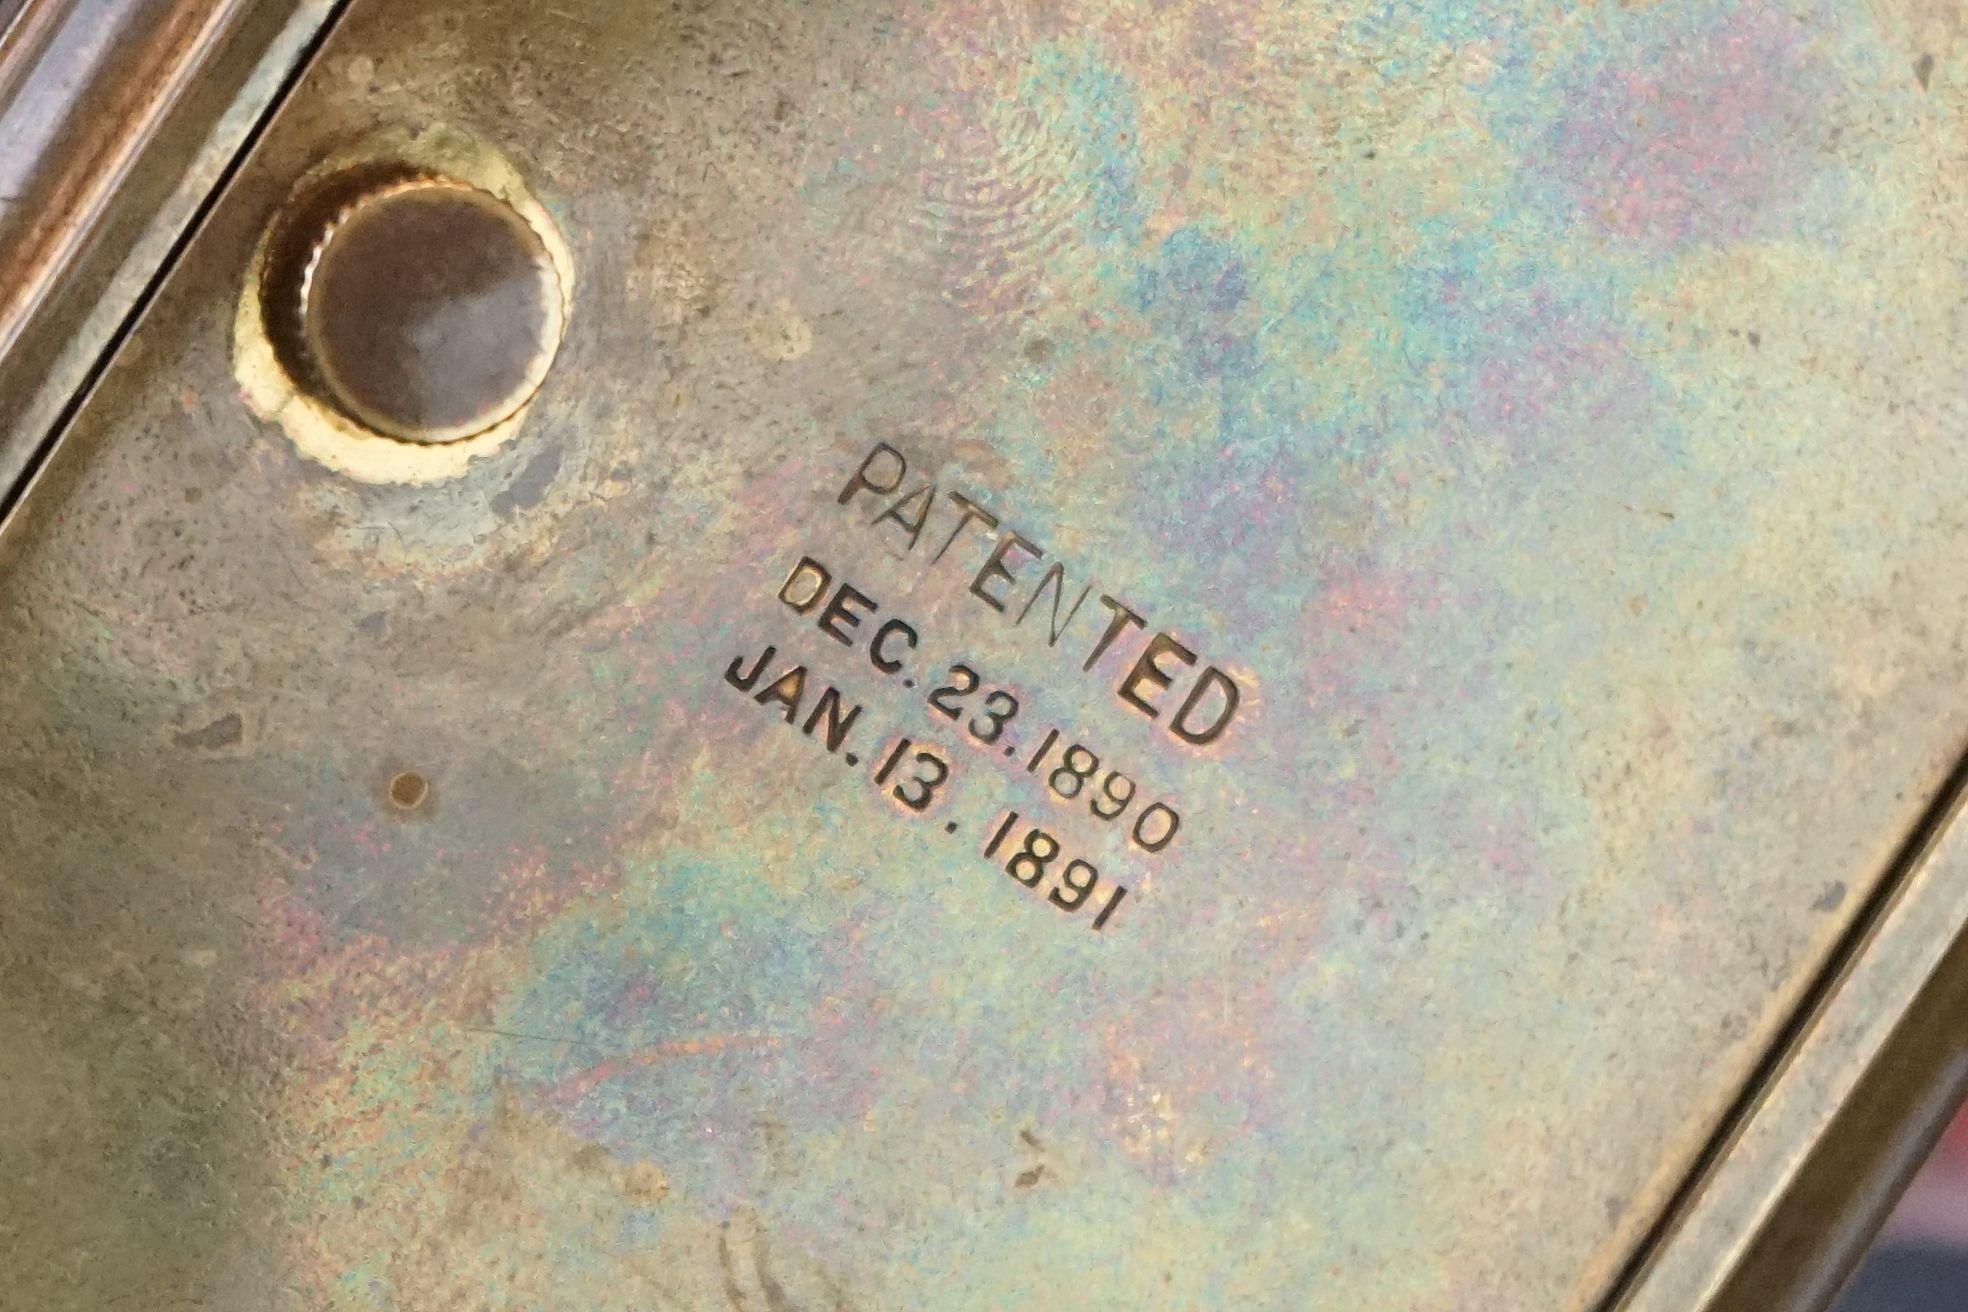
(1512,459)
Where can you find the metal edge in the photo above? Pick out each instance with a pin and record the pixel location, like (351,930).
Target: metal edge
(1737,1211)
(1816,1237)
(1831,1066)
(112,204)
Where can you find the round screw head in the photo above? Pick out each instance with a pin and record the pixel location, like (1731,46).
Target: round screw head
(429,309)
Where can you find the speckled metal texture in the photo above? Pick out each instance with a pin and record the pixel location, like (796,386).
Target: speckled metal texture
(1548,418)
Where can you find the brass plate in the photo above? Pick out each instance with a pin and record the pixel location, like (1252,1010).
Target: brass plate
(1546,419)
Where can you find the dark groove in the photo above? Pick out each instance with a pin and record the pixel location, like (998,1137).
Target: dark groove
(43,450)
(1843,953)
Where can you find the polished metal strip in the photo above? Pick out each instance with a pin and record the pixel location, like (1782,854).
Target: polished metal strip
(117,119)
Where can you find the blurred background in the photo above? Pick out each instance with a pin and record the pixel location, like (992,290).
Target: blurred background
(1919,1263)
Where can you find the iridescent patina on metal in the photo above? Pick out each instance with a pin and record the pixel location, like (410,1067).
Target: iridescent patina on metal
(1547,417)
